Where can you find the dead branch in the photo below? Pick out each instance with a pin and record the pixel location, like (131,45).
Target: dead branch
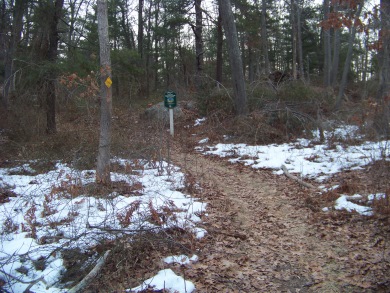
(92,274)
(300,181)
(234,234)
(31,283)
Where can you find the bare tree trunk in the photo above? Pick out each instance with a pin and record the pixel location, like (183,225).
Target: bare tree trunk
(156,47)
(336,52)
(148,51)
(294,40)
(251,64)
(382,119)
(348,59)
(365,63)
(299,42)
(198,43)
(238,80)
(125,24)
(336,57)
(219,63)
(167,64)
(51,126)
(140,28)
(17,26)
(327,51)
(384,53)
(103,160)
(264,37)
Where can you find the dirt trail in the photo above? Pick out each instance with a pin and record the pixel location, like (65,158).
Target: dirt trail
(264,238)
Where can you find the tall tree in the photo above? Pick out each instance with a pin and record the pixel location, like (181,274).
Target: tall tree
(355,14)
(198,29)
(74,8)
(219,61)
(126,27)
(17,26)
(229,25)
(264,37)
(103,160)
(327,48)
(299,40)
(336,49)
(52,55)
(384,50)
(294,38)
(156,39)
(140,28)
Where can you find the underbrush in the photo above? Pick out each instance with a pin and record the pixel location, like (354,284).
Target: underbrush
(133,261)
(277,114)
(296,110)
(69,221)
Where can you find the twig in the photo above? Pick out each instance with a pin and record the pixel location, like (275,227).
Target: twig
(230,234)
(300,181)
(123,230)
(92,274)
(31,283)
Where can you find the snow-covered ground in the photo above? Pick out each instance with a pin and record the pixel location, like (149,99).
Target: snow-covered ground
(309,158)
(46,212)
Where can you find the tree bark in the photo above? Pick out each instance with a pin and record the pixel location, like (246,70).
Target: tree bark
(294,39)
(125,25)
(384,51)
(299,42)
(51,126)
(140,28)
(348,59)
(156,42)
(365,62)
(327,51)
(17,27)
(198,30)
(81,286)
(240,100)
(336,57)
(264,37)
(103,160)
(382,119)
(295,178)
(219,62)
(148,51)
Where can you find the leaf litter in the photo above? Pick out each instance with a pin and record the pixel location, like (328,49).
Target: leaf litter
(264,232)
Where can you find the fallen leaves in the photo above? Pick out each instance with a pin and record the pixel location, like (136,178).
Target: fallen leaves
(287,246)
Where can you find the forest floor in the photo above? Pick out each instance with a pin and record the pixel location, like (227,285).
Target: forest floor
(265,234)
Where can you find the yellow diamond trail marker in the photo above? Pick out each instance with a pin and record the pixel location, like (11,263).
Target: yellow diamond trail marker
(108,82)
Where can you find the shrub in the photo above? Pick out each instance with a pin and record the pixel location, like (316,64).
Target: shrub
(259,94)
(219,100)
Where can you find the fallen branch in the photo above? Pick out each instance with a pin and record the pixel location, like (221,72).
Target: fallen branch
(234,234)
(300,181)
(230,234)
(31,283)
(92,274)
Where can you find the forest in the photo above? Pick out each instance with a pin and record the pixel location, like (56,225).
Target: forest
(99,191)
(50,52)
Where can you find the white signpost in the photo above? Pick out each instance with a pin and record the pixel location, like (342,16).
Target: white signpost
(170,103)
(171,127)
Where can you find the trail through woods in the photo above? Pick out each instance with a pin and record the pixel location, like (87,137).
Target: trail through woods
(264,235)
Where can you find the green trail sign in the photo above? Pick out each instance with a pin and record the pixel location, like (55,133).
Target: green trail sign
(170,100)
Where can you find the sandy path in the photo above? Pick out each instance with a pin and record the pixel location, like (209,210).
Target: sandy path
(264,238)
